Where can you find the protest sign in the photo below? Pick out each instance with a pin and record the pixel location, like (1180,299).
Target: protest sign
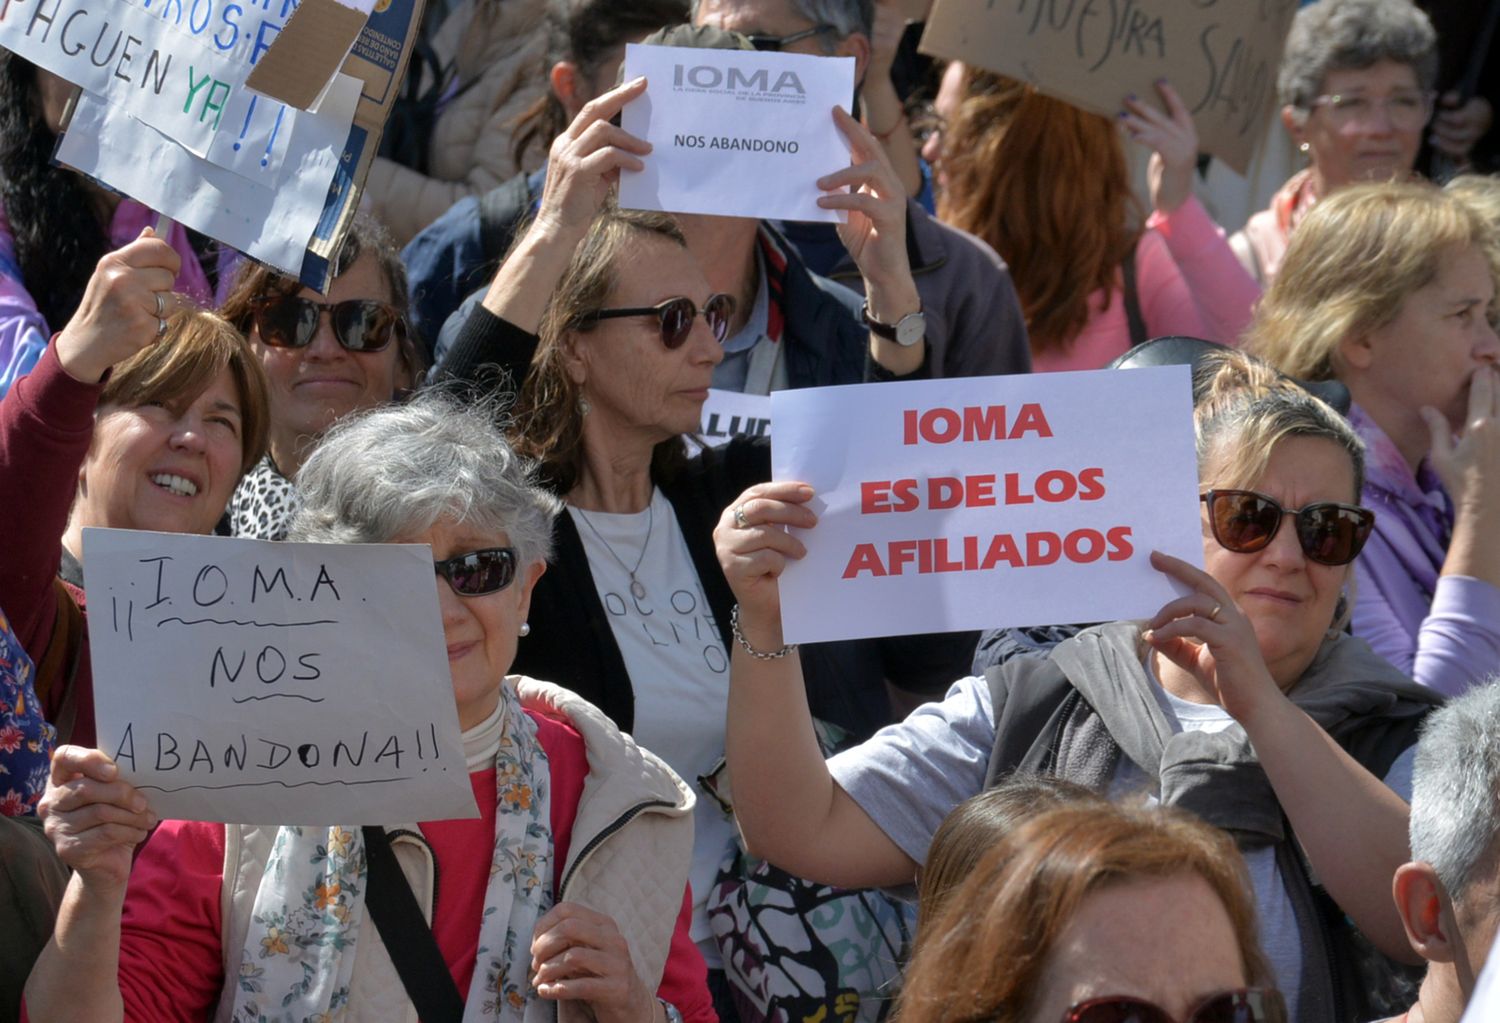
(167,111)
(730,414)
(1220,55)
(987,501)
(739,133)
(274,683)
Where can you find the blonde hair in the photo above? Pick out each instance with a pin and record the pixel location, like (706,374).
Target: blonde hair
(1481,193)
(1245,408)
(1351,265)
(198,345)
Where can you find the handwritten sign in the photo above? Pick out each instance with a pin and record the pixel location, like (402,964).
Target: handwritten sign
(1220,55)
(274,683)
(166,111)
(737,133)
(983,502)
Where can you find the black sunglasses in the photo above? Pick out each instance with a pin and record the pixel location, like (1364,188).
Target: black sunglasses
(359,324)
(774,43)
(1248,1005)
(1245,522)
(479,572)
(676,316)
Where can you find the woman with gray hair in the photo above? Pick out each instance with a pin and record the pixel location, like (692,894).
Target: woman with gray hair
(1356,89)
(565,889)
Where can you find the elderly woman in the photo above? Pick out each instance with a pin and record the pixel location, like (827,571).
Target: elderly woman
(1412,336)
(1355,88)
(324,357)
(626,333)
(1048,927)
(607,825)
(1242,701)
(55,224)
(136,417)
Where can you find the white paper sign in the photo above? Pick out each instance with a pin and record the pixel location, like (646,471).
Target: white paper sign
(739,133)
(274,683)
(730,414)
(984,502)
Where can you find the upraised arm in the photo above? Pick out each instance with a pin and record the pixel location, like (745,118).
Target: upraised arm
(790,810)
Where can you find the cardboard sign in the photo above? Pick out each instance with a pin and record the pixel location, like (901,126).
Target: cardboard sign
(984,502)
(166,111)
(737,133)
(274,683)
(1220,55)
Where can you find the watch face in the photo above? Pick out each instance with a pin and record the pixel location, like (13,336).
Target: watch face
(911,329)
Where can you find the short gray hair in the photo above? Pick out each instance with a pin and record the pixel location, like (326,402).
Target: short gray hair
(1455,800)
(399,469)
(1347,35)
(846,16)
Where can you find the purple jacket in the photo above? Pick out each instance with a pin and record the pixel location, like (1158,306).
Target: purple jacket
(1443,630)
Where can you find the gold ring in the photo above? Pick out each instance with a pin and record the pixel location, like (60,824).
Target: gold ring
(1213,615)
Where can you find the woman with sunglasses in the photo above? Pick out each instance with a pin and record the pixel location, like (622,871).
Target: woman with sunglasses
(1412,335)
(601,827)
(324,356)
(1048,928)
(1242,701)
(607,323)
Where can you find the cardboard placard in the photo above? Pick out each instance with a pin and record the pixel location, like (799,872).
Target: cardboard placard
(976,503)
(737,133)
(274,683)
(1220,55)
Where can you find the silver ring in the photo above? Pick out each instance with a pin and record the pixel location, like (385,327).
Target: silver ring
(1213,615)
(739,517)
(161,306)
(161,328)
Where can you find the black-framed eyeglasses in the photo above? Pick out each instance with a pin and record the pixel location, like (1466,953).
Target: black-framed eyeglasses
(675,317)
(479,572)
(775,43)
(359,324)
(1246,1005)
(1244,521)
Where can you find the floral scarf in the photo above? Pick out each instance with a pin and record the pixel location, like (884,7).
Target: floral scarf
(305,925)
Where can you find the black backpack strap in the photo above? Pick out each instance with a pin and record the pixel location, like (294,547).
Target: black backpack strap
(407,935)
(1132,297)
(1032,700)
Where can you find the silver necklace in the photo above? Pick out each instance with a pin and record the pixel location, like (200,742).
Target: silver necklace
(637,589)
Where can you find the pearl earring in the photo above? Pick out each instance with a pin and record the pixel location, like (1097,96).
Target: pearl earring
(584,408)
(1304,147)
(525,629)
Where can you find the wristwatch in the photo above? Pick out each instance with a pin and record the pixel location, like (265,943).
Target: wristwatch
(907,331)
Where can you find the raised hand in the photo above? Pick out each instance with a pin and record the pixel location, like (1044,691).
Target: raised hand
(94,819)
(754,546)
(124,308)
(585,162)
(875,233)
(1173,140)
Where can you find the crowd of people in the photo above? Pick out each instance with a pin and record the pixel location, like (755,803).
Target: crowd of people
(1277,799)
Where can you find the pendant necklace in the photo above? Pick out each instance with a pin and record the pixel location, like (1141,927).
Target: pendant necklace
(637,589)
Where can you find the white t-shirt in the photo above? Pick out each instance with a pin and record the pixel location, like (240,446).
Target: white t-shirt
(678,667)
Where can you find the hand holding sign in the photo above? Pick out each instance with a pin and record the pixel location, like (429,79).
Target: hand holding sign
(121,310)
(94,818)
(753,547)
(1173,140)
(875,233)
(585,162)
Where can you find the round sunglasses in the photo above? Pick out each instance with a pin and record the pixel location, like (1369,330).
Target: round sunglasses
(1244,521)
(675,317)
(479,572)
(1247,1005)
(359,324)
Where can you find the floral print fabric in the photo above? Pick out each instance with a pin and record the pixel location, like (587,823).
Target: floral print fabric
(306,924)
(26,739)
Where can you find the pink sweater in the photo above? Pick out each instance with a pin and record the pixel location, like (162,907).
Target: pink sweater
(1189,282)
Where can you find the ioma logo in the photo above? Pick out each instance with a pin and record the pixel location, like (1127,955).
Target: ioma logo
(708,77)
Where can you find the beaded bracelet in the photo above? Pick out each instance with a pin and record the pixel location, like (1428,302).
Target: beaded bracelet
(739,637)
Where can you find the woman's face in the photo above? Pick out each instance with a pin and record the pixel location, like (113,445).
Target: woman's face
(312,387)
(1289,599)
(1440,337)
(945,109)
(1191,953)
(480,632)
(635,385)
(1373,133)
(164,468)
